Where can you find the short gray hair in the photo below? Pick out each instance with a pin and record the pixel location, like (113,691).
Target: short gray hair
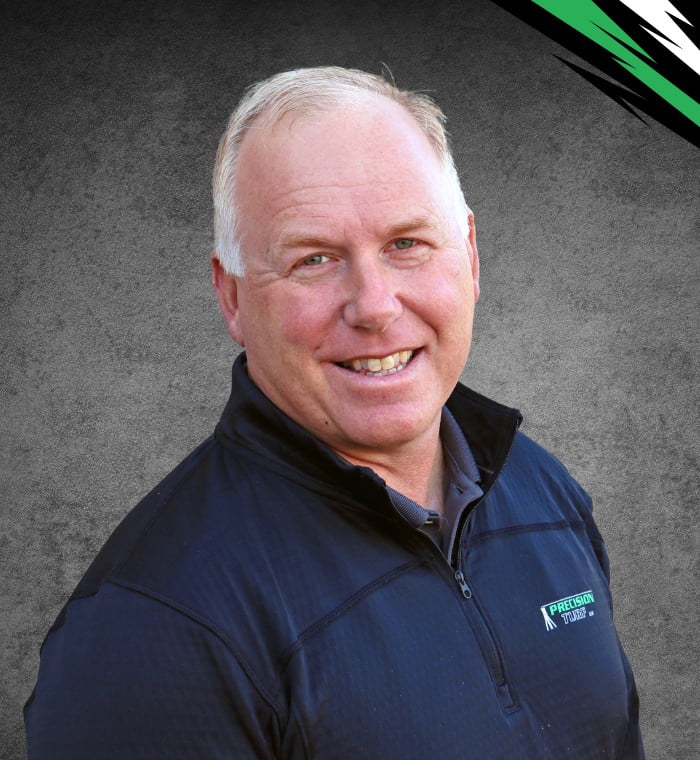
(311,90)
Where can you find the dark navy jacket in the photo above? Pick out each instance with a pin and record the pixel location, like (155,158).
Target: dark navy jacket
(266,600)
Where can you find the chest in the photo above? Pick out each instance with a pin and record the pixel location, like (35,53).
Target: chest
(523,663)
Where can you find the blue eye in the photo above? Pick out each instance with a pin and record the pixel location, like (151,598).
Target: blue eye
(403,243)
(315,260)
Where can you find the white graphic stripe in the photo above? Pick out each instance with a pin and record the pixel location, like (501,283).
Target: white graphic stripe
(658,14)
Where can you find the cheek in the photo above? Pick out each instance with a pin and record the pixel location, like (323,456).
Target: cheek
(293,321)
(449,298)
(463,287)
(309,314)
(261,323)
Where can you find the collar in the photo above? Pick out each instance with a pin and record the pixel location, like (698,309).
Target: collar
(461,489)
(251,421)
(460,482)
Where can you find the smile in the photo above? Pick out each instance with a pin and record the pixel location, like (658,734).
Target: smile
(378,367)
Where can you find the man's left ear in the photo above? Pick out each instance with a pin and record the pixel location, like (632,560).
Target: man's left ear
(473,255)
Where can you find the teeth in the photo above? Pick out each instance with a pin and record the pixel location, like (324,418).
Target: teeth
(386,365)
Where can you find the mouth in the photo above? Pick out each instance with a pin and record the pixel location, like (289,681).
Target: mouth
(379,366)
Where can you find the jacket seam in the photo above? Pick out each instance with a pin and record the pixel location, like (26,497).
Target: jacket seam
(120,561)
(209,626)
(352,601)
(527,528)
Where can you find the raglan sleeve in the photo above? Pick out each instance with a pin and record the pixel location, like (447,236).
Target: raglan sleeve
(128,675)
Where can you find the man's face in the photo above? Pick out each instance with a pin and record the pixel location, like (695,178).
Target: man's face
(357,301)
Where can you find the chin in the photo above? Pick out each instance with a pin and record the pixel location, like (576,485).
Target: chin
(386,436)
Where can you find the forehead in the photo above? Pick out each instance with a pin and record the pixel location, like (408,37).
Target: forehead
(374,139)
(349,163)
(360,114)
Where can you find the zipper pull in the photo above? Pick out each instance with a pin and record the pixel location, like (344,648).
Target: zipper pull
(464,588)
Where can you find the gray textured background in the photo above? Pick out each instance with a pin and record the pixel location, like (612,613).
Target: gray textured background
(116,362)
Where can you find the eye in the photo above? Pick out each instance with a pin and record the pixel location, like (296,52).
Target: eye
(402,243)
(315,260)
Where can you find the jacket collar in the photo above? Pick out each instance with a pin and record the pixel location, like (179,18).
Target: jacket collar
(252,421)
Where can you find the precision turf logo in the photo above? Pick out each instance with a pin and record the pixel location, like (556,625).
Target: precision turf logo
(569,608)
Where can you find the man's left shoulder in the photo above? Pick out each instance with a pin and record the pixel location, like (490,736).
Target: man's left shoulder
(541,461)
(543,482)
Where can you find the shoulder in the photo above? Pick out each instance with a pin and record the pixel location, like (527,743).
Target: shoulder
(535,487)
(529,459)
(542,463)
(171,543)
(128,676)
(157,515)
(221,540)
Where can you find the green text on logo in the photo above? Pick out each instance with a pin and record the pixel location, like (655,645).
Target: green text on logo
(569,608)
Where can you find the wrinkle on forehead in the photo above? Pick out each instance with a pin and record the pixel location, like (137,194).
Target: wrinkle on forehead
(346,193)
(349,211)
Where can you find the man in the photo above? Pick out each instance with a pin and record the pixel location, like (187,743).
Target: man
(366,559)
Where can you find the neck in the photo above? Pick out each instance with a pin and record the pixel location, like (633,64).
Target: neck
(416,471)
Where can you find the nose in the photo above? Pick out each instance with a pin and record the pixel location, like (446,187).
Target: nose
(372,302)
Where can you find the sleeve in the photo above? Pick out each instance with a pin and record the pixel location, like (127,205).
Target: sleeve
(633,748)
(127,675)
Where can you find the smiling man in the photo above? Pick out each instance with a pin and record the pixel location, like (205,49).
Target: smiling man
(366,559)
(360,281)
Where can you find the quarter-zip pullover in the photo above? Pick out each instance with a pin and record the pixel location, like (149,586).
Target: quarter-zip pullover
(267,600)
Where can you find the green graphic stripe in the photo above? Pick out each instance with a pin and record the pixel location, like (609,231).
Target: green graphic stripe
(588,19)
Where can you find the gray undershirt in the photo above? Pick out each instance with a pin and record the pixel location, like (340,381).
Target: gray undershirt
(461,489)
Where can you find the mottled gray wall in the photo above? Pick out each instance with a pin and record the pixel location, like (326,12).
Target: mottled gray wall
(115,361)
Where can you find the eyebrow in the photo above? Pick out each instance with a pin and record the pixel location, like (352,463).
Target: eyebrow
(417,223)
(313,241)
(297,241)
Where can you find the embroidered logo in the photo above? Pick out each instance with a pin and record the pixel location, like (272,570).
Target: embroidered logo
(570,609)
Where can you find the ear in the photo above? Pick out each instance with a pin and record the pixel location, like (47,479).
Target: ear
(473,255)
(226,286)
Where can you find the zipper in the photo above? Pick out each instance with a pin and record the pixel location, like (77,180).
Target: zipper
(481,630)
(463,585)
(473,612)
(487,642)
(477,620)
